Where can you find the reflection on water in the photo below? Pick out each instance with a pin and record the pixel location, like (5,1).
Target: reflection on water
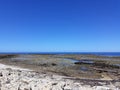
(64,62)
(71,60)
(86,61)
(117,65)
(81,61)
(22,58)
(83,68)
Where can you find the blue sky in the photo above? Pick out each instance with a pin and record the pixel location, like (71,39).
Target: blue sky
(59,25)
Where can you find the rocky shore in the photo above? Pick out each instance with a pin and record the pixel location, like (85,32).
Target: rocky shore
(14,78)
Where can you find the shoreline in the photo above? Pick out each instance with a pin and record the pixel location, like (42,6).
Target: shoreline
(54,72)
(3,66)
(16,78)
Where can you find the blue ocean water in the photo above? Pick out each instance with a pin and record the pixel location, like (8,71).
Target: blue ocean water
(92,53)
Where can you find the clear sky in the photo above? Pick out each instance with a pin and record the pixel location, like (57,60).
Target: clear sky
(59,25)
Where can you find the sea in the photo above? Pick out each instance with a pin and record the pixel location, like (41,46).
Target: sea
(115,54)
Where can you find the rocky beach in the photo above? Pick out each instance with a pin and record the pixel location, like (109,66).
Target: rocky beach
(16,77)
(12,78)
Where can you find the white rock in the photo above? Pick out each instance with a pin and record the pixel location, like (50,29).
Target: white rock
(67,88)
(102,88)
(14,79)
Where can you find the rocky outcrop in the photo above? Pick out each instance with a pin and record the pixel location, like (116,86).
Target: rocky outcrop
(14,79)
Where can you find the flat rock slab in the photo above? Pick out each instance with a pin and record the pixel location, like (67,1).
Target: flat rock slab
(12,78)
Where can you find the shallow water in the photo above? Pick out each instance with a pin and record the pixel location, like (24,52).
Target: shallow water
(23,58)
(83,68)
(64,62)
(71,60)
(86,61)
(82,61)
(117,65)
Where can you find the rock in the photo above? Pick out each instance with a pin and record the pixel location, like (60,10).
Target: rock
(8,81)
(1,74)
(102,88)
(117,84)
(56,88)
(26,80)
(26,89)
(67,88)
(54,84)
(54,64)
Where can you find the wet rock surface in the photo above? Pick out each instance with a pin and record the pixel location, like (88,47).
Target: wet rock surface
(59,72)
(79,66)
